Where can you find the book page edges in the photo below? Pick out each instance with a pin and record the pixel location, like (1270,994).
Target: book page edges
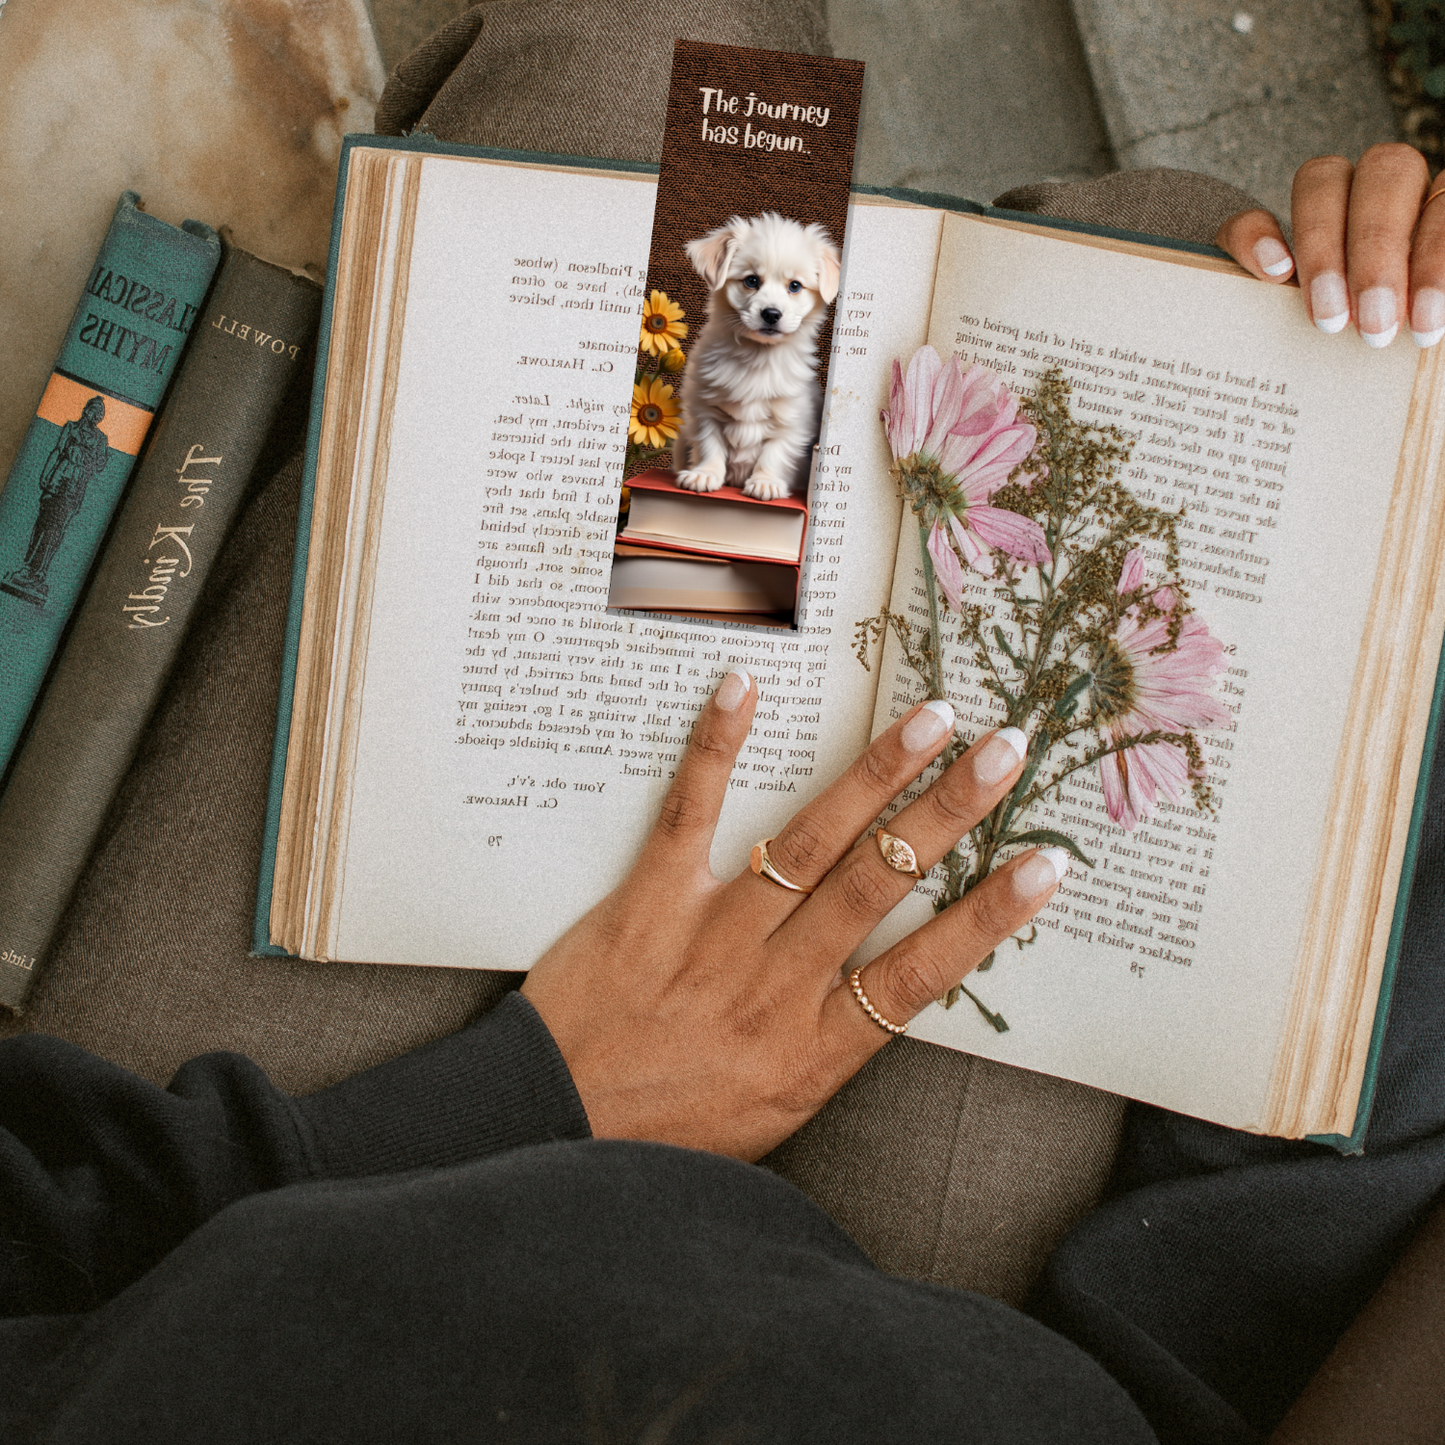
(344,506)
(1330,1033)
(1353,1143)
(273,849)
(262,944)
(336,509)
(334,874)
(358,221)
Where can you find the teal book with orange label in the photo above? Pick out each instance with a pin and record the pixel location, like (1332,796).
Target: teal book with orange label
(122,347)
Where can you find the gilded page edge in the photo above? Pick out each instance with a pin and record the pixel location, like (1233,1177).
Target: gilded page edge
(1310,1089)
(333,882)
(346,537)
(294,843)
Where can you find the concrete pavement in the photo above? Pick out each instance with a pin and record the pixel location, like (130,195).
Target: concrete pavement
(975,96)
(1237,89)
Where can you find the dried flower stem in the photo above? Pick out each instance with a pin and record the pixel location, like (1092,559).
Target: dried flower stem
(1072,626)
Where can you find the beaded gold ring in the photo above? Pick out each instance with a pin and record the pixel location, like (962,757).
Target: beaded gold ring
(855,982)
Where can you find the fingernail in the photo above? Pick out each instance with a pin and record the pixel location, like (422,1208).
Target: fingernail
(1038,874)
(1378,323)
(999,756)
(1273,259)
(1330,302)
(1427,319)
(932,722)
(733,689)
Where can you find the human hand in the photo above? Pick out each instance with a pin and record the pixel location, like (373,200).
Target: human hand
(714,1014)
(1369,244)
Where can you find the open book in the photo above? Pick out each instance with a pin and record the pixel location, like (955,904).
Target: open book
(472,746)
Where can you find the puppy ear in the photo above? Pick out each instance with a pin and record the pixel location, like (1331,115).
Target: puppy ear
(712,254)
(830,265)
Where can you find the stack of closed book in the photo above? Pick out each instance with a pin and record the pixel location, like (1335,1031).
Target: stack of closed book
(709,553)
(177,363)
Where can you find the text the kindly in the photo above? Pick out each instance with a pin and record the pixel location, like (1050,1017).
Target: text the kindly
(141,608)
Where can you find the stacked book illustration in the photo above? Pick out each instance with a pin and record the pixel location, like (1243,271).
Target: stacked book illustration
(709,553)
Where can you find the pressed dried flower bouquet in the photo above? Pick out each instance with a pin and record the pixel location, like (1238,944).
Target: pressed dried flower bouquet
(1100,665)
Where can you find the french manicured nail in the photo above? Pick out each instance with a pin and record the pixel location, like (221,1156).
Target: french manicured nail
(1038,874)
(928,726)
(1273,259)
(1427,317)
(733,689)
(999,756)
(1378,322)
(1330,302)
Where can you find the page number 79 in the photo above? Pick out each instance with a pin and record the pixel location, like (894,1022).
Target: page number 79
(494,840)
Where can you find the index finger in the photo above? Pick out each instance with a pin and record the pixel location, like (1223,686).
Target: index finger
(1255,240)
(1321,203)
(682,836)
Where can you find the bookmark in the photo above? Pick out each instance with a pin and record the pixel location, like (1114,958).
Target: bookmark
(736,332)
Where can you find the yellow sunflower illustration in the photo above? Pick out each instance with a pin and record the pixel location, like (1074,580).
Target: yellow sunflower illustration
(655,411)
(662,324)
(674,361)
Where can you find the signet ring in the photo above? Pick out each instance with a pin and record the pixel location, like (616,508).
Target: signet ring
(762,865)
(898,855)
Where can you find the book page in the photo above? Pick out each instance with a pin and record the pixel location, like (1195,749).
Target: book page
(1164,973)
(515,738)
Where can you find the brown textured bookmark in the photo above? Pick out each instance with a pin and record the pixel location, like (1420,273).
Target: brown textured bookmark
(737,315)
(750,131)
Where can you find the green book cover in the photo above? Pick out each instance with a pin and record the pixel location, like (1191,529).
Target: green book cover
(121,349)
(253,337)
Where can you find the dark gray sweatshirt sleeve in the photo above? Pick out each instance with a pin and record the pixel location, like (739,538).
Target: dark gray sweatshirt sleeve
(102,1173)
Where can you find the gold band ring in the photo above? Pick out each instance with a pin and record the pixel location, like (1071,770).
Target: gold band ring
(898,855)
(762,865)
(855,982)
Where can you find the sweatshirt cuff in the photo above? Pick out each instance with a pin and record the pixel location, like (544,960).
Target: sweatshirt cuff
(500,1083)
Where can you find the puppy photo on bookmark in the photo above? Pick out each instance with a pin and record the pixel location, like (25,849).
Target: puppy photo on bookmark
(736,326)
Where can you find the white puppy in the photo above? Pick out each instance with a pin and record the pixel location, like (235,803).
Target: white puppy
(750,397)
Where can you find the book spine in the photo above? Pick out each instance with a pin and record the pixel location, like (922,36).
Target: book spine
(253,335)
(120,351)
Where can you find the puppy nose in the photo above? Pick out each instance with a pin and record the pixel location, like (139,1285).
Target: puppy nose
(771,315)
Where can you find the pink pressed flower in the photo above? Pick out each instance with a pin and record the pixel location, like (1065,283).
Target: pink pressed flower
(1143,684)
(946,566)
(1020,537)
(956,436)
(966,421)
(1171,690)
(1134,779)
(1131,574)
(987,441)
(910,402)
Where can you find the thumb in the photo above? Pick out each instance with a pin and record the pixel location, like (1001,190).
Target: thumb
(1255,240)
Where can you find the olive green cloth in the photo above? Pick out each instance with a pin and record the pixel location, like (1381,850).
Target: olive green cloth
(940,1165)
